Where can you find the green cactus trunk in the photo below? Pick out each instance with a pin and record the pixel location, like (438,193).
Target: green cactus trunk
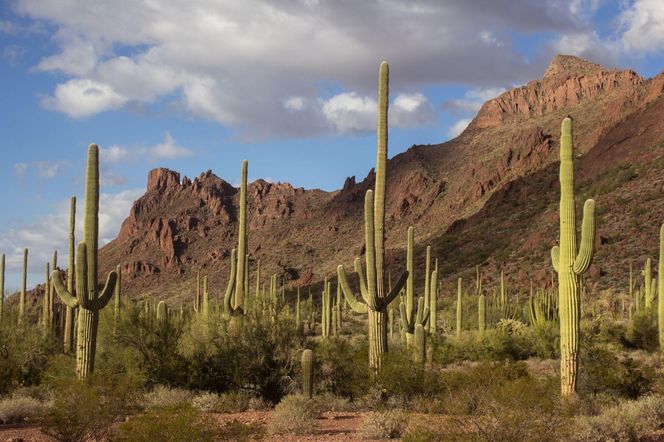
(660,291)
(308,373)
(162,312)
(647,273)
(373,287)
(459,311)
(68,334)
(242,243)
(570,264)
(45,304)
(420,343)
(51,295)
(24,283)
(118,295)
(410,316)
(481,313)
(433,307)
(89,298)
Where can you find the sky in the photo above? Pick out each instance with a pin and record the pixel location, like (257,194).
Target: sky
(289,85)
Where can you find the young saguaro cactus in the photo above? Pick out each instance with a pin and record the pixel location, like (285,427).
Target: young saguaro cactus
(459,310)
(412,315)
(308,373)
(649,286)
(660,290)
(68,338)
(373,287)
(24,283)
(89,299)
(569,263)
(234,300)
(481,313)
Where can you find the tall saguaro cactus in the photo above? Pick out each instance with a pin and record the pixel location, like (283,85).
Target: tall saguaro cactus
(459,310)
(24,283)
(649,286)
(68,338)
(308,373)
(411,314)
(234,301)
(569,263)
(373,287)
(88,298)
(660,290)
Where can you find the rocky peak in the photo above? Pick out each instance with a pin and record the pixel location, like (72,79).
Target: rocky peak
(570,66)
(161,179)
(568,81)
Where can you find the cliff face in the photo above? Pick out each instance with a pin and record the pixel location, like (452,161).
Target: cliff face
(506,156)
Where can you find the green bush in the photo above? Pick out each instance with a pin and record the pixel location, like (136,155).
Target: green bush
(20,409)
(181,423)
(401,381)
(642,333)
(389,424)
(341,369)
(163,396)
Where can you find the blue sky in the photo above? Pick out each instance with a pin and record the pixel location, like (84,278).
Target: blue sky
(289,85)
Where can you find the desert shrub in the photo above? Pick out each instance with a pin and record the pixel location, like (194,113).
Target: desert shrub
(236,431)
(601,371)
(24,354)
(255,354)
(295,414)
(157,345)
(231,402)
(181,423)
(85,409)
(390,424)
(642,333)
(18,409)
(163,396)
(400,380)
(341,369)
(328,402)
(628,421)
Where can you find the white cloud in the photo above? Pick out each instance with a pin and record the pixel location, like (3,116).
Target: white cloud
(473,100)
(411,110)
(167,150)
(113,154)
(50,232)
(348,112)
(643,26)
(587,45)
(458,127)
(43,169)
(81,98)
(246,59)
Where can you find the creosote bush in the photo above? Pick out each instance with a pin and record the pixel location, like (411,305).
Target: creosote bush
(295,414)
(20,409)
(390,424)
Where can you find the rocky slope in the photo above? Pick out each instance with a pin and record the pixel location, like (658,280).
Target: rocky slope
(487,197)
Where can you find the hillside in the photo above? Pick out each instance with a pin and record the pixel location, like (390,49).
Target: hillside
(487,197)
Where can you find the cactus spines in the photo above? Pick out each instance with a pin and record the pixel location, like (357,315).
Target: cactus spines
(481,313)
(24,283)
(459,311)
(88,297)
(68,338)
(569,263)
(308,373)
(660,290)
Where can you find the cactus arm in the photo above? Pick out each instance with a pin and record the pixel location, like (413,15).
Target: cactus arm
(395,290)
(60,288)
(555,257)
(372,298)
(107,292)
(585,255)
(231,284)
(363,283)
(404,318)
(354,304)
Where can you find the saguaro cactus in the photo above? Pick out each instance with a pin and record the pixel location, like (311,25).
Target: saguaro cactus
(420,343)
(68,338)
(459,311)
(649,286)
(373,287)
(118,294)
(162,312)
(412,315)
(326,310)
(24,283)
(234,301)
(433,305)
(660,289)
(481,314)
(569,263)
(89,299)
(308,373)
(2,286)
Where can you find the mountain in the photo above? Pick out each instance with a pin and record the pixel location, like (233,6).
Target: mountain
(487,197)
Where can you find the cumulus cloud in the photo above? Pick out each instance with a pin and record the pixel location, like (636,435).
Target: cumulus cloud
(587,45)
(81,98)
(247,59)
(458,127)
(50,232)
(643,26)
(168,149)
(473,100)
